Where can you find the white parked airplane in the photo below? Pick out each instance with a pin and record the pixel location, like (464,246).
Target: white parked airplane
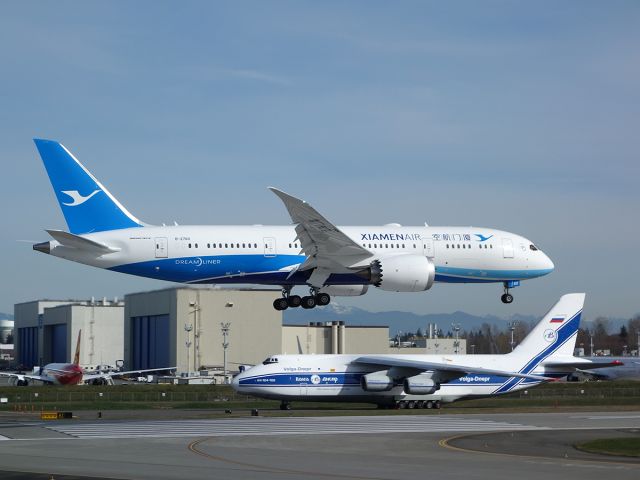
(312,252)
(71,373)
(424,381)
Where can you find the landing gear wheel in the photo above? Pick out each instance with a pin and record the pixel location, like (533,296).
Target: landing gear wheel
(280,304)
(437,405)
(294,301)
(308,302)
(322,299)
(402,404)
(411,404)
(420,404)
(506,298)
(429,404)
(285,406)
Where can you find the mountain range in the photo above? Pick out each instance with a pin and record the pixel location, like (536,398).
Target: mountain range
(410,322)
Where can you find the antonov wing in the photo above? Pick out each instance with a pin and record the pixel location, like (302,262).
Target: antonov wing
(327,248)
(452,371)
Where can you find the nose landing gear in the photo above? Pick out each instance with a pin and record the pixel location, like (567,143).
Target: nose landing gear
(507,297)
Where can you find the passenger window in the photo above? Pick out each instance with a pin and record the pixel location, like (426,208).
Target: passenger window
(189,245)
(403,245)
(392,245)
(458,245)
(243,245)
(255,245)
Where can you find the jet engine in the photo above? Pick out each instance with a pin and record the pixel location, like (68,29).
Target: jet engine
(345,290)
(420,385)
(403,273)
(376,382)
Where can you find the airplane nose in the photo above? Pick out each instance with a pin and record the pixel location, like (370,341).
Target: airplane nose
(547,264)
(235,382)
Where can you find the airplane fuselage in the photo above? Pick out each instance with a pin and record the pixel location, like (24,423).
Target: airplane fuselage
(338,378)
(270,255)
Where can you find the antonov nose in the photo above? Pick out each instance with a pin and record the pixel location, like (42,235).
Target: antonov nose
(547,264)
(235,382)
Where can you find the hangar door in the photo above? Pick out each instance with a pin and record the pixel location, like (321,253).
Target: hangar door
(150,342)
(28,346)
(58,342)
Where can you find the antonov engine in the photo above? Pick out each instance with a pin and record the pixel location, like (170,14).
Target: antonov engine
(420,385)
(376,382)
(403,273)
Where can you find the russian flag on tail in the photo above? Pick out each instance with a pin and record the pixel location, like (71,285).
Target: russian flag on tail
(557,320)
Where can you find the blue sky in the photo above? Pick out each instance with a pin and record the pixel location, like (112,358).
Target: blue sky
(519,116)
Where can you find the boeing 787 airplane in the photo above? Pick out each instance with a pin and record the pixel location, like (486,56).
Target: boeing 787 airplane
(312,252)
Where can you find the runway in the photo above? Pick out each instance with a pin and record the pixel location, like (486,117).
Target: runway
(502,446)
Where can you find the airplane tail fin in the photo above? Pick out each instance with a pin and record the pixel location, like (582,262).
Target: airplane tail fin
(86,204)
(76,357)
(556,333)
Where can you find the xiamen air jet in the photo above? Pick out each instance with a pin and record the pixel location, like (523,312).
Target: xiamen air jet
(311,252)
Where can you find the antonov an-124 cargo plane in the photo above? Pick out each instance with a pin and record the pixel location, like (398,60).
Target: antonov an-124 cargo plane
(426,381)
(312,252)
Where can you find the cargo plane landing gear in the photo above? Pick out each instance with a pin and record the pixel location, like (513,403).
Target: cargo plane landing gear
(287,300)
(285,405)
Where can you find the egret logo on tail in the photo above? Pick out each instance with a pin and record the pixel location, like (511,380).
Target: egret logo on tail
(78,199)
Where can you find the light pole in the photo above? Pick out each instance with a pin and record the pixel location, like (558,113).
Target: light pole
(225,333)
(512,327)
(456,344)
(187,328)
(591,342)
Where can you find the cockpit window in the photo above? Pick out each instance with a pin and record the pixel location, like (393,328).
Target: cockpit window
(533,247)
(270,360)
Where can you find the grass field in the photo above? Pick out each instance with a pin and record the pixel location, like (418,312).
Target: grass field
(628,447)
(620,395)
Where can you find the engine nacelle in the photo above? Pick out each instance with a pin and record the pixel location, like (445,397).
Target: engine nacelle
(345,290)
(403,273)
(420,385)
(376,382)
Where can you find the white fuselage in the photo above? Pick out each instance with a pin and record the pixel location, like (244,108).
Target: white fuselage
(270,255)
(338,378)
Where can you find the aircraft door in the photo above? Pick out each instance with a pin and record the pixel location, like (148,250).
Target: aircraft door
(507,248)
(427,248)
(161,247)
(269,247)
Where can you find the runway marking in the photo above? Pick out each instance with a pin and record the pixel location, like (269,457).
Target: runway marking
(573,462)
(193,447)
(2,437)
(609,417)
(285,426)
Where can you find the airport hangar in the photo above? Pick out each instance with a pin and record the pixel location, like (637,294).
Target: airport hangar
(184,327)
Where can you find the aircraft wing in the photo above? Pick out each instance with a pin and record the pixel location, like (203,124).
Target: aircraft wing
(327,248)
(451,371)
(23,376)
(94,376)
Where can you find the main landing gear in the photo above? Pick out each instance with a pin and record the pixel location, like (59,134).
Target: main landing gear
(507,297)
(285,405)
(314,299)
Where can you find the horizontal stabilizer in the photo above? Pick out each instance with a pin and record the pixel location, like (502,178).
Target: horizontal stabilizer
(76,241)
(584,365)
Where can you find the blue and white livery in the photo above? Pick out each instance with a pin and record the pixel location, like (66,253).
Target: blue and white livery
(327,259)
(424,381)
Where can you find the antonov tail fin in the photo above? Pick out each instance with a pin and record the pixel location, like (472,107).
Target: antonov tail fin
(555,335)
(86,204)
